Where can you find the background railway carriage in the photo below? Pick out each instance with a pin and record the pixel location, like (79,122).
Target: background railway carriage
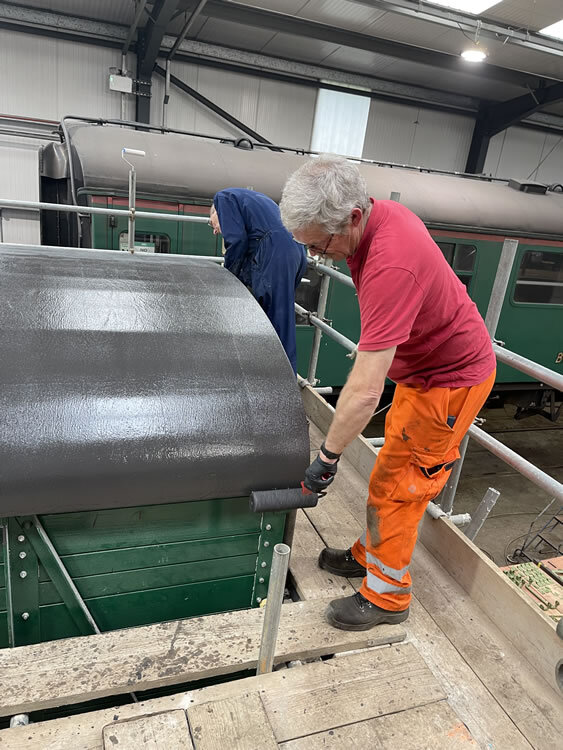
(469,217)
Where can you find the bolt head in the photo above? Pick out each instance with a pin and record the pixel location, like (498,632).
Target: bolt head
(266,544)
(258,599)
(260,580)
(22,555)
(263,565)
(23,574)
(25,615)
(21,538)
(268,527)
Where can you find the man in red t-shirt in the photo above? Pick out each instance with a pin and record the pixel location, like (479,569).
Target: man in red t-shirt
(419,328)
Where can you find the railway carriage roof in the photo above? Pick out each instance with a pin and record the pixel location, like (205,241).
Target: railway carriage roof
(189,167)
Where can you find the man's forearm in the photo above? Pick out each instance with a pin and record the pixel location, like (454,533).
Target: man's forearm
(353,412)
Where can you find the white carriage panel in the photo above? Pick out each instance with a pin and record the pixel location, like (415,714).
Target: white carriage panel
(29,75)
(285,113)
(50,78)
(181,108)
(442,140)
(516,153)
(233,92)
(390,131)
(82,86)
(551,171)
(19,180)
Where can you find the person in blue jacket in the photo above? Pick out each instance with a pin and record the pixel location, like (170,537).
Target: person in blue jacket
(263,255)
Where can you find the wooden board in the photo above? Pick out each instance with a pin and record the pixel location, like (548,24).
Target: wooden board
(434,726)
(82,669)
(310,581)
(520,691)
(163,730)
(238,723)
(84,731)
(524,625)
(372,683)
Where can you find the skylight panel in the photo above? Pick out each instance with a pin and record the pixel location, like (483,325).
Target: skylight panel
(555,30)
(475,7)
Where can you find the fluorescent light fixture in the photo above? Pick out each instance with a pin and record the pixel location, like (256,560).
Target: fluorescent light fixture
(475,7)
(474,54)
(555,30)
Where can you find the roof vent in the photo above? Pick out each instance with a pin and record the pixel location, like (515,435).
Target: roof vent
(528,187)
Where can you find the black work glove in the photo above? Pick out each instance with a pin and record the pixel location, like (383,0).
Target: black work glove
(319,476)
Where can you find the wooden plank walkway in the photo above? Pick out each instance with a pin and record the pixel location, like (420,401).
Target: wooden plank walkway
(75,670)
(286,708)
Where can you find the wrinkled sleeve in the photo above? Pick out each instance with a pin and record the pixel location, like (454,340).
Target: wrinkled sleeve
(233,228)
(390,300)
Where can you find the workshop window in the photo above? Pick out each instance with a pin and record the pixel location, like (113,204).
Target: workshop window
(540,278)
(340,123)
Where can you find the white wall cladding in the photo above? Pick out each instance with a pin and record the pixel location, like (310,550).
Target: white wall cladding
(526,154)
(49,78)
(413,135)
(19,180)
(281,112)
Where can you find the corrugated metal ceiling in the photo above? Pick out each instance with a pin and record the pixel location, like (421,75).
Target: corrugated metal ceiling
(360,16)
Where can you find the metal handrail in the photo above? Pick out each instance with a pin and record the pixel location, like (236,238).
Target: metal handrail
(40,205)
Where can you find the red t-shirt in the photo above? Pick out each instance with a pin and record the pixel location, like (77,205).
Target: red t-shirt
(410,298)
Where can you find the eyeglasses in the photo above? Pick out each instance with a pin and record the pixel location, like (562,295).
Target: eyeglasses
(318,250)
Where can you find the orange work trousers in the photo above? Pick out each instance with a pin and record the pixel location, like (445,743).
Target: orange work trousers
(423,430)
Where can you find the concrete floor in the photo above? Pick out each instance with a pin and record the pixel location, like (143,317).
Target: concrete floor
(535,438)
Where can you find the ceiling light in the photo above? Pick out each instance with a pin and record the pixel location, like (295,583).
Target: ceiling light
(555,30)
(475,7)
(474,54)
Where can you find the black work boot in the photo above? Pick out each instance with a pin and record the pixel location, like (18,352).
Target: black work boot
(341,562)
(357,613)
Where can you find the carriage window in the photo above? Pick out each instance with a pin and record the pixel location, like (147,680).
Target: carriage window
(540,278)
(447,249)
(461,258)
(464,259)
(146,242)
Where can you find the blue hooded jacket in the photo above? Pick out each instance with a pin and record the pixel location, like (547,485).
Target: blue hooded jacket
(263,255)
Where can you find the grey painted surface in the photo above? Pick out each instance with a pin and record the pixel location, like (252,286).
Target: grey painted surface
(132,380)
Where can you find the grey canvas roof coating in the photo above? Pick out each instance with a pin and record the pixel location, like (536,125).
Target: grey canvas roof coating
(133,380)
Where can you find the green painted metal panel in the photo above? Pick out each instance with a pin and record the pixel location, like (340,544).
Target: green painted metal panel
(532,329)
(156,605)
(304,342)
(131,558)
(2,599)
(72,533)
(343,312)
(122,582)
(4,643)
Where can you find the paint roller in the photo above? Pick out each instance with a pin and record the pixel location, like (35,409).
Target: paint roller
(266,501)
